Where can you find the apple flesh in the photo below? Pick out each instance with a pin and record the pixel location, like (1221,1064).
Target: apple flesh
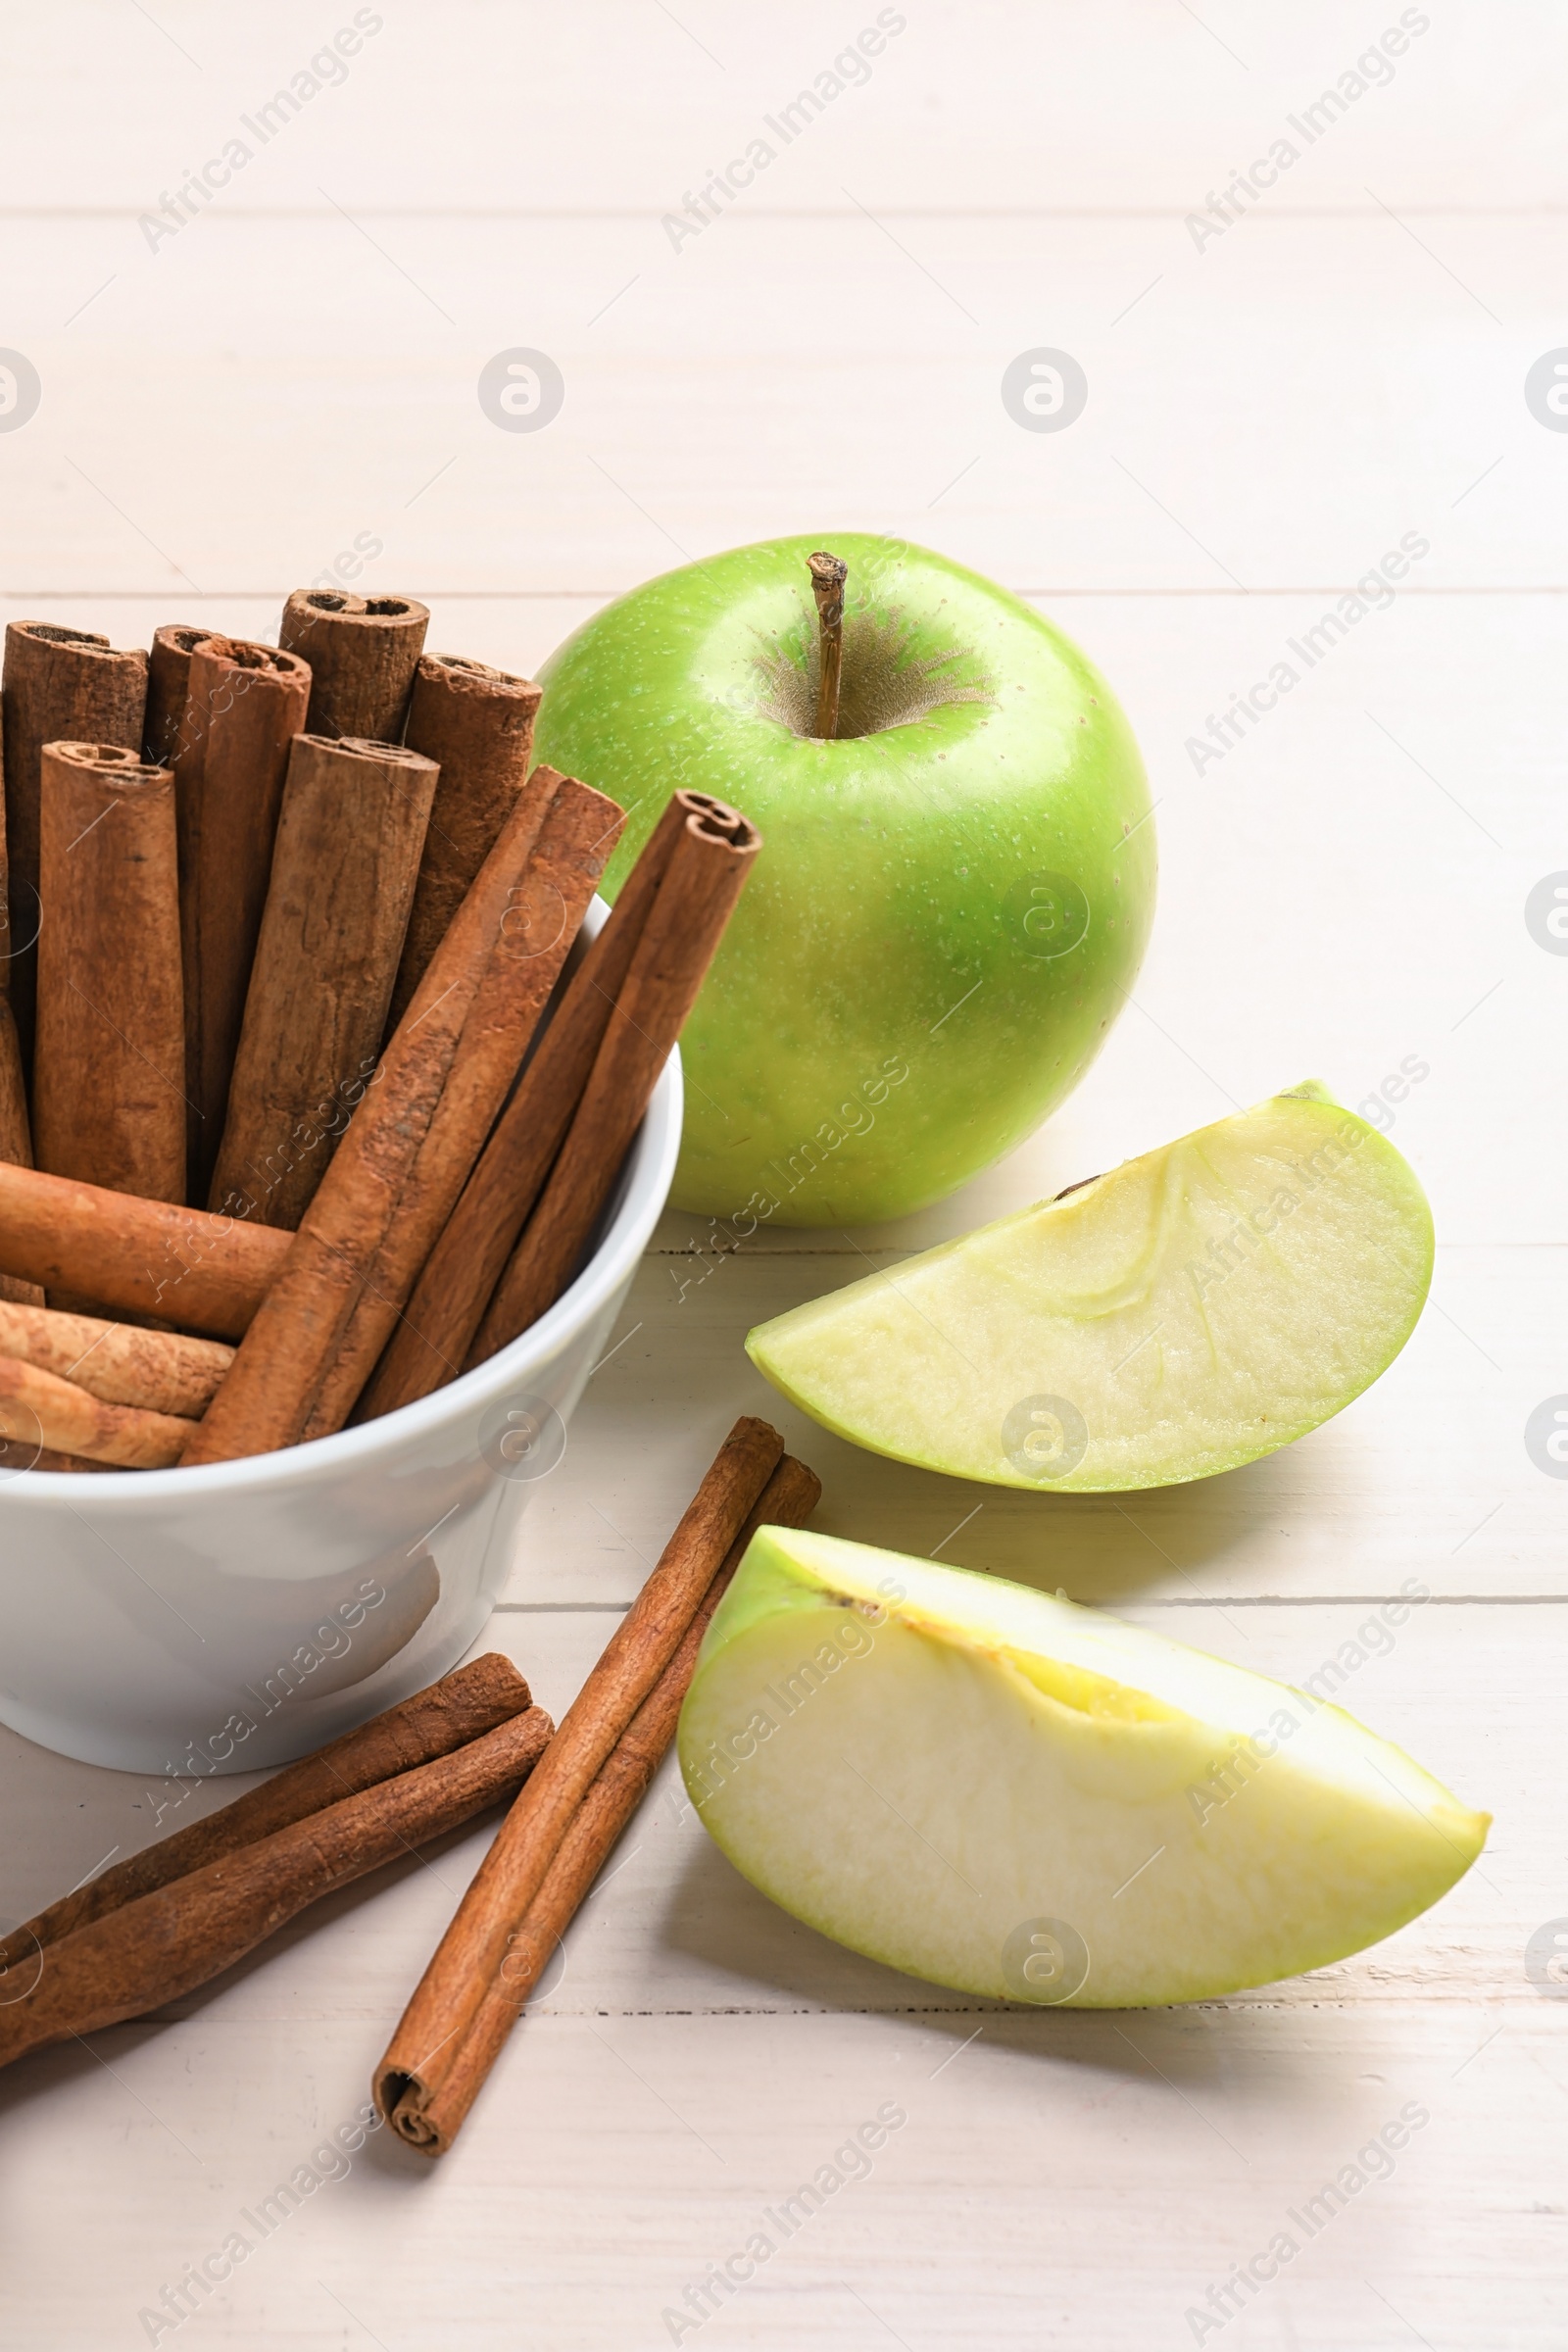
(954,894)
(1186,1314)
(1019,1797)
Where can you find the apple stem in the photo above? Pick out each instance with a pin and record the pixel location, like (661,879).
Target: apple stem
(829,575)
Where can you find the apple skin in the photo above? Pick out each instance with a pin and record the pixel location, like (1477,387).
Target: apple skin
(948,910)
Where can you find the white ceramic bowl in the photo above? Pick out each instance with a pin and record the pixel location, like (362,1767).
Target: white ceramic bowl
(186,1622)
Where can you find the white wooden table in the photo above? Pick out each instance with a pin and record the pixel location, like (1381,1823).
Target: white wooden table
(227,411)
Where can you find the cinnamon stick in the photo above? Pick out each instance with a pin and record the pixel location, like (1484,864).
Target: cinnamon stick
(15,1130)
(278,1375)
(445,1715)
(578,834)
(424,2049)
(168,684)
(161,1945)
(245,705)
(707,868)
(58,686)
(140,1256)
(437,1329)
(362,652)
(344,862)
(120,1364)
(14,1455)
(477,724)
(40,1405)
(108,1097)
(430,2123)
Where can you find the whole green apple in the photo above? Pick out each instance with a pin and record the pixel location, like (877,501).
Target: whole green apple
(955,891)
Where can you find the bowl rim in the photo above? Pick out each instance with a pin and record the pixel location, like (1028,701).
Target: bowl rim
(649,1171)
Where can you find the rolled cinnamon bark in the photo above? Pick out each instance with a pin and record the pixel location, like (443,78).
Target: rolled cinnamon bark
(166,1943)
(108,1097)
(438,1325)
(431,2122)
(38,1404)
(158,1371)
(425,2048)
(245,705)
(362,652)
(14,1455)
(446,1715)
(344,863)
(576,839)
(707,868)
(59,686)
(478,725)
(147,1257)
(278,1373)
(16,1132)
(168,684)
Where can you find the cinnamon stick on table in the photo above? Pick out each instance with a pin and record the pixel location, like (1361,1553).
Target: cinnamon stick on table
(425,2046)
(578,834)
(431,2121)
(58,686)
(39,1407)
(344,862)
(168,684)
(432,1341)
(362,652)
(108,1091)
(478,725)
(245,705)
(709,865)
(445,1715)
(289,1350)
(163,1944)
(149,1258)
(157,1371)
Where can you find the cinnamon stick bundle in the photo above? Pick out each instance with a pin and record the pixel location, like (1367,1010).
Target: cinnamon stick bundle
(362,652)
(430,2119)
(344,863)
(245,703)
(289,1348)
(108,1097)
(157,1371)
(58,686)
(163,1944)
(168,684)
(39,1407)
(445,1715)
(578,834)
(709,865)
(425,2048)
(432,1341)
(477,724)
(148,1258)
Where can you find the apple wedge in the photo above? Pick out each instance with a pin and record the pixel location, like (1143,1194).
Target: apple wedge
(1016,1797)
(1184,1314)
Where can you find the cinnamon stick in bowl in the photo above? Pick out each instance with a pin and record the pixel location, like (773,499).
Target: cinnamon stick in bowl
(477,724)
(344,862)
(120,1364)
(147,1257)
(39,1407)
(427,2045)
(433,1339)
(245,705)
(109,1095)
(578,834)
(58,686)
(362,652)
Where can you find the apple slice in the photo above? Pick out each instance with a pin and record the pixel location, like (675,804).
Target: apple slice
(1188,1312)
(1020,1798)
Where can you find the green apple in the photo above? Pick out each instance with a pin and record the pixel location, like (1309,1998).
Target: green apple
(1192,1311)
(1020,1798)
(953,893)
